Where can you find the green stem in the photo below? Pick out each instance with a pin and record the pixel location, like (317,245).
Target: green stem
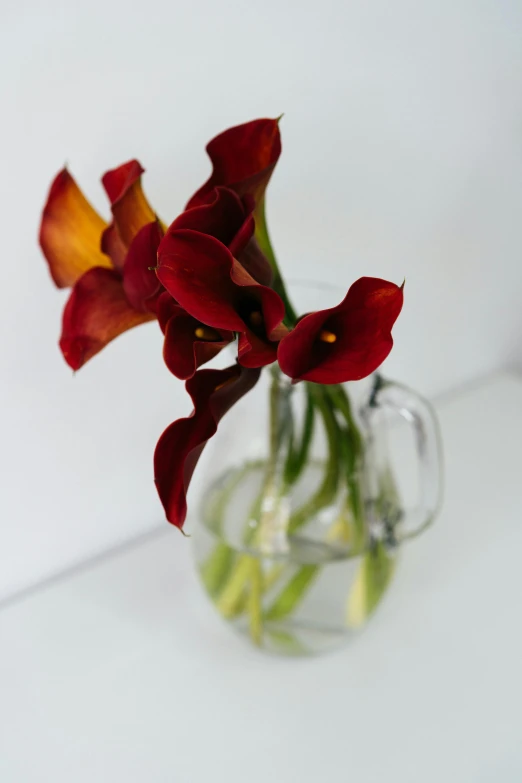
(371,582)
(278,428)
(327,491)
(246,584)
(345,448)
(242,578)
(219,564)
(263,240)
(293,592)
(341,401)
(255,605)
(352,451)
(231,601)
(217,567)
(273,519)
(297,455)
(355,500)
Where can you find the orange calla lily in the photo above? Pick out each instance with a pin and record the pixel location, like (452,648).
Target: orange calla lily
(85,252)
(70,232)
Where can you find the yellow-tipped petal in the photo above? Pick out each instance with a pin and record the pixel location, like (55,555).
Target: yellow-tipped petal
(70,232)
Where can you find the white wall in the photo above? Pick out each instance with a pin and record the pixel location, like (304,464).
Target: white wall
(402,158)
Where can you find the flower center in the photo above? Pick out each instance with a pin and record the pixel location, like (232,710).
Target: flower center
(255,318)
(225,383)
(206,333)
(251,313)
(326,336)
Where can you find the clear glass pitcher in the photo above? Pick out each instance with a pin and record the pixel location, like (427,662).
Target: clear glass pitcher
(301,522)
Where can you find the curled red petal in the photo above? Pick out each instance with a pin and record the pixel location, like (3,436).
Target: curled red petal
(178,450)
(195,269)
(184,351)
(347,342)
(255,352)
(223,217)
(229,219)
(113,246)
(252,258)
(70,232)
(118,181)
(270,303)
(243,159)
(140,283)
(130,208)
(206,280)
(166,307)
(96,312)
(245,232)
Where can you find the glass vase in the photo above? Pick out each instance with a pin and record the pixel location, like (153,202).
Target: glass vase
(302,520)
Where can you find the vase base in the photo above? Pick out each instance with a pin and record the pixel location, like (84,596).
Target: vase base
(310,598)
(293,640)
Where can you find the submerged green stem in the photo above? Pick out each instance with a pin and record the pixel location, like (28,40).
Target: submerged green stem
(292,593)
(255,598)
(241,583)
(352,452)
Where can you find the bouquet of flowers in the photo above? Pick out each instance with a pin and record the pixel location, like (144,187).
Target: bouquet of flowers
(210,279)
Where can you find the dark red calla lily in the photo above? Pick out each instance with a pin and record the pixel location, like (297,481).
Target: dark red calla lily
(213,393)
(210,284)
(347,342)
(166,307)
(243,159)
(229,218)
(224,216)
(188,343)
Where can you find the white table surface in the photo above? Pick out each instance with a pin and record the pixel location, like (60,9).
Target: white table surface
(122,673)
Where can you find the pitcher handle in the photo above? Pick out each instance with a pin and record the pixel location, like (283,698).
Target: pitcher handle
(419,413)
